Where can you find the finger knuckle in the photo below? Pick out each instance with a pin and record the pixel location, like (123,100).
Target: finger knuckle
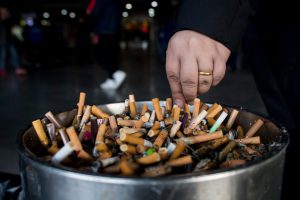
(204,83)
(173,77)
(188,83)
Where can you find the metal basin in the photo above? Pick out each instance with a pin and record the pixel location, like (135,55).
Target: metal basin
(260,179)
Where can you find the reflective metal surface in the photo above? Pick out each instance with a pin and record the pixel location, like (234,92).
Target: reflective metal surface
(260,179)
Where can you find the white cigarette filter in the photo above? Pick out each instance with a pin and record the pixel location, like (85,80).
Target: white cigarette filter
(198,119)
(218,122)
(65,151)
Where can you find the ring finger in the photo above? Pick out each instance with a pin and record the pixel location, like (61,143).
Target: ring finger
(205,79)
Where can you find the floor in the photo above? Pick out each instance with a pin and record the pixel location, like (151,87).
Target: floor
(56,88)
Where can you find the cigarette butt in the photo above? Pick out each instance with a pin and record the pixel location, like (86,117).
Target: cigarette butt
(155,126)
(168,105)
(180,134)
(163,152)
(53,119)
(157,109)
(82,154)
(129,123)
(142,120)
(132,106)
(204,107)
(51,132)
(125,168)
(53,149)
(98,112)
(196,107)
(218,122)
(38,127)
(176,113)
(105,155)
(157,171)
(100,134)
(146,160)
(160,139)
(168,121)
(187,110)
(114,169)
(137,134)
(232,163)
(240,131)
(202,138)
(218,142)
(128,148)
(198,119)
(141,148)
(85,116)
(198,132)
(74,138)
(132,130)
(134,140)
(229,147)
(251,151)
(113,123)
(213,111)
(81,103)
(211,121)
(101,147)
(65,151)
(152,133)
(254,128)
(144,109)
(109,161)
(175,128)
(249,140)
(180,146)
(187,131)
(185,160)
(232,118)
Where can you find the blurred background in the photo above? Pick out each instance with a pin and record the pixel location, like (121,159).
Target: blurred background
(54,42)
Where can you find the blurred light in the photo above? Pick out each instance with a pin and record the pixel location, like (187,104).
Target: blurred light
(46,15)
(151,12)
(72,15)
(45,23)
(29,21)
(64,12)
(125,14)
(23,22)
(128,6)
(154,4)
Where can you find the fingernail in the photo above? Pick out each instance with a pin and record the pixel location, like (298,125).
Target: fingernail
(178,102)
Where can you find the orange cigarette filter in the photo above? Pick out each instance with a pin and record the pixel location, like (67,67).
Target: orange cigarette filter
(142,120)
(99,113)
(250,140)
(74,138)
(213,111)
(134,140)
(82,154)
(157,109)
(185,160)
(163,152)
(101,147)
(53,149)
(202,138)
(128,148)
(196,107)
(160,138)
(232,163)
(229,147)
(113,124)
(146,160)
(211,121)
(132,106)
(132,130)
(152,133)
(137,134)
(187,110)
(169,105)
(105,154)
(100,134)
(130,123)
(254,128)
(144,109)
(125,168)
(198,132)
(141,148)
(38,127)
(155,126)
(176,113)
(240,131)
(180,146)
(232,118)
(81,102)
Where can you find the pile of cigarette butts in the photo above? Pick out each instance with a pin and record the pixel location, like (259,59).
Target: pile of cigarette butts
(164,141)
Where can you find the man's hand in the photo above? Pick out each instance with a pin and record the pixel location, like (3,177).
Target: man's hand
(188,53)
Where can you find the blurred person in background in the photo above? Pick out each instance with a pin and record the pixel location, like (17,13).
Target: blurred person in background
(7,46)
(106,36)
(208,31)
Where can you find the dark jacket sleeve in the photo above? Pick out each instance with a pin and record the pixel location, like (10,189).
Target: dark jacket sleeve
(221,20)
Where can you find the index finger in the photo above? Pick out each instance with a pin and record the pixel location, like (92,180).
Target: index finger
(173,75)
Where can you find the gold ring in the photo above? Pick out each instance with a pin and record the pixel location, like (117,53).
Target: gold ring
(205,73)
